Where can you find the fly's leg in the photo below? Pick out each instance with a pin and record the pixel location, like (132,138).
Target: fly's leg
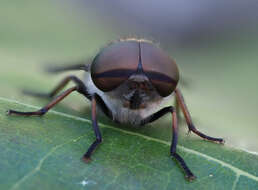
(79,66)
(177,108)
(60,86)
(87,155)
(80,87)
(188,118)
(45,109)
(189,175)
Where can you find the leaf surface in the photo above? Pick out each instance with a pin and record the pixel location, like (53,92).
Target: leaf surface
(45,152)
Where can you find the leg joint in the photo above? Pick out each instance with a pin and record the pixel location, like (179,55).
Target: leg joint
(173,153)
(169,109)
(80,85)
(42,111)
(99,140)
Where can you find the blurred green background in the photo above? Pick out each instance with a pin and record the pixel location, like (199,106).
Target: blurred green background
(215,48)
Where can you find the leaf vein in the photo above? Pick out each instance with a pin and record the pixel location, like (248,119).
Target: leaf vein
(41,161)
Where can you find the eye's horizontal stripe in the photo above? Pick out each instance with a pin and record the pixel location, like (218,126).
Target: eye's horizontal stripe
(160,77)
(125,73)
(119,73)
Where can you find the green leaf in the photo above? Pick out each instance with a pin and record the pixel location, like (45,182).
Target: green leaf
(44,153)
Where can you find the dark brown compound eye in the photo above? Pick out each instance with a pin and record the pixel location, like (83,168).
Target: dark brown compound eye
(114,64)
(159,68)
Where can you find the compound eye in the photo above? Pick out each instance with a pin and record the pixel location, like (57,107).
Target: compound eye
(114,64)
(162,83)
(159,68)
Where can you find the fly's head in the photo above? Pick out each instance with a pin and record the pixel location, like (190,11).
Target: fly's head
(135,72)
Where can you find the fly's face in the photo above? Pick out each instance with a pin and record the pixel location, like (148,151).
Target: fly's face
(135,71)
(136,92)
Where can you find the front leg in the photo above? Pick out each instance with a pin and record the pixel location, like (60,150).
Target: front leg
(189,121)
(189,175)
(95,126)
